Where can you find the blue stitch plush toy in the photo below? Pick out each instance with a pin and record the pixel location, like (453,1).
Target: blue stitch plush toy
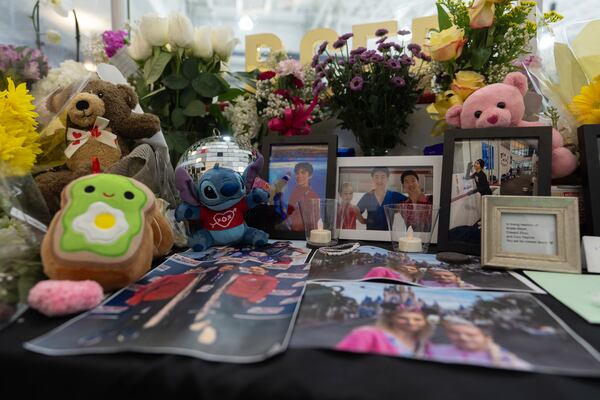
(218,204)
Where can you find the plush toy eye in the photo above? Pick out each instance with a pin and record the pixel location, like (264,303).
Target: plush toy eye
(209,192)
(477,114)
(128,195)
(501,105)
(89,189)
(100,94)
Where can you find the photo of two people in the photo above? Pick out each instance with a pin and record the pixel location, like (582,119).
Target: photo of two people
(364,191)
(488,329)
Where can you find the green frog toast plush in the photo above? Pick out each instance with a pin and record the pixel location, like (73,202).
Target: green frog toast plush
(103,231)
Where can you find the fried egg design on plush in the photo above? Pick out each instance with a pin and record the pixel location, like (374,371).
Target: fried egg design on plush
(101,223)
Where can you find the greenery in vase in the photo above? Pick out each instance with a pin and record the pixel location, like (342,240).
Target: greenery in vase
(372,92)
(182,79)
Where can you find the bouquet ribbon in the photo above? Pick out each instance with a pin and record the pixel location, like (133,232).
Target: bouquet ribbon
(78,137)
(295,119)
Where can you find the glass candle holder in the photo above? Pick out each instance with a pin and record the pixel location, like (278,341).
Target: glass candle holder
(411,226)
(319,218)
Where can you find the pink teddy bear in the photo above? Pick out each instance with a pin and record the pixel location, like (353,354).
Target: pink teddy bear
(501,105)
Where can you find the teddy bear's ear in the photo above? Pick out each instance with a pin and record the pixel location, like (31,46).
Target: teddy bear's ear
(130,96)
(57,99)
(453,115)
(517,80)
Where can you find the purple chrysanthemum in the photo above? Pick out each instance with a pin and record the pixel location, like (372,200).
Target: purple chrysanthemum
(338,44)
(315,61)
(342,62)
(425,57)
(385,46)
(356,83)
(394,64)
(358,50)
(318,87)
(381,40)
(398,81)
(406,60)
(346,36)
(113,41)
(322,47)
(381,32)
(398,47)
(366,56)
(403,32)
(414,48)
(376,58)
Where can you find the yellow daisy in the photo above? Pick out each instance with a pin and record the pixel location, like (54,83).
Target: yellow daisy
(586,105)
(19,141)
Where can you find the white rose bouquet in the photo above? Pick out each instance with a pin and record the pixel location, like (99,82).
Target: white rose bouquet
(182,76)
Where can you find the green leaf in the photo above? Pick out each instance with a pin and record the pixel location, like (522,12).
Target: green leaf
(231,94)
(152,93)
(195,109)
(209,85)
(187,96)
(154,67)
(175,82)
(443,18)
(178,118)
(190,68)
(479,57)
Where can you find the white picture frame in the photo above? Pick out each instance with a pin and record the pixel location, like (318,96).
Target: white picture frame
(395,164)
(531,232)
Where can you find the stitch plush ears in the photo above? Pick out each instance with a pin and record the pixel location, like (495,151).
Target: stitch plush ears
(253,170)
(517,80)
(185,184)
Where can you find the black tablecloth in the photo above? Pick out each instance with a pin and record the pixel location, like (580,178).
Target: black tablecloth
(296,374)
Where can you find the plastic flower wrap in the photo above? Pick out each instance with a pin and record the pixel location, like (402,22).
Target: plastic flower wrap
(566,72)
(20,201)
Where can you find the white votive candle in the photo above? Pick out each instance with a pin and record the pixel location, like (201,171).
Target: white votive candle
(320,235)
(410,243)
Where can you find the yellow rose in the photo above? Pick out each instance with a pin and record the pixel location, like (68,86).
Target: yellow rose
(446,45)
(466,82)
(481,13)
(443,101)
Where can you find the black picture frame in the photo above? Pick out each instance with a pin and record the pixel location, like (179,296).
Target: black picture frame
(589,139)
(272,140)
(542,134)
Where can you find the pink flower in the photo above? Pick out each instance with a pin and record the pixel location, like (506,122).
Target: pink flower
(295,119)
(113,41)
(265,76)
(290,67)
(31,71)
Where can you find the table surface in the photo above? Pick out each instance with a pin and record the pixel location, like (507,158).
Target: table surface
(297,373)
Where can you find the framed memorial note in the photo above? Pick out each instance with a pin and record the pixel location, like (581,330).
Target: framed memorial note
(531,232)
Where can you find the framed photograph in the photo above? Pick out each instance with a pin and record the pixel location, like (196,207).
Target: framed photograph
(297,168)
(366,184)
(531,232)
(483,162)
(589,144)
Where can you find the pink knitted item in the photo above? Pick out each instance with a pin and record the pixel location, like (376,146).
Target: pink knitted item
(56,298)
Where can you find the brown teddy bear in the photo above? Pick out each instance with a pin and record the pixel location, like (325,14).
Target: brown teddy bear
(100,124)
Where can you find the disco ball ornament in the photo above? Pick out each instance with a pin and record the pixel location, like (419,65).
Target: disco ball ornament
(227,151)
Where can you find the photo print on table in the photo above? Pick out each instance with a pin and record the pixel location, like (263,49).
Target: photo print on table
(374,263)
(297,169)
(485,162)
(365,185)
(487,329)
(235,305)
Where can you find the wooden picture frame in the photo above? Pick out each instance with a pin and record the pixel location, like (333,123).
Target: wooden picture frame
(589,145)
(276,226)
(396,165)
(531,232)
(468,240)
